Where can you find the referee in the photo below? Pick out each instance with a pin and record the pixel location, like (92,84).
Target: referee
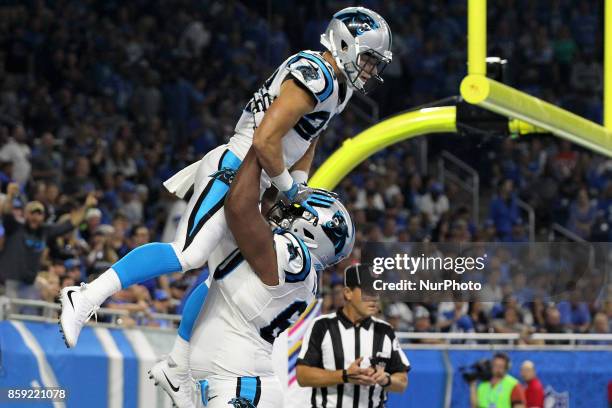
(350,358)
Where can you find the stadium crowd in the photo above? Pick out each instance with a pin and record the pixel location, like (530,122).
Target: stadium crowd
(102,101)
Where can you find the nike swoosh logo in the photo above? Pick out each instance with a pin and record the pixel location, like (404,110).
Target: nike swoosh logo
(215,396)
(70,292)
(175,389)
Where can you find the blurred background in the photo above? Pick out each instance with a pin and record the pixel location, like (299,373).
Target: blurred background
(108,99)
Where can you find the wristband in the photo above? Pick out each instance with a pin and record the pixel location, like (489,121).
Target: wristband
(344,376)
(283,181)
(300,176)
(388,380)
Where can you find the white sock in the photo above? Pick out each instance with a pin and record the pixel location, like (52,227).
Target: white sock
(180,352)
(103,287)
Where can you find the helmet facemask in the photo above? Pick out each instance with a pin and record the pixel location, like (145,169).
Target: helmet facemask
(365,73)
(282,215)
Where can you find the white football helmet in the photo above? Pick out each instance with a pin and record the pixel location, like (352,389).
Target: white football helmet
(360,41)
(329,236)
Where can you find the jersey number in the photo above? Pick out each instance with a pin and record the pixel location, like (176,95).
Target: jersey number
(309,125)
(283,321)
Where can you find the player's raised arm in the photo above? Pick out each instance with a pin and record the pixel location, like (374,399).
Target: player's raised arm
(292,103)
(251,231)
(301,168)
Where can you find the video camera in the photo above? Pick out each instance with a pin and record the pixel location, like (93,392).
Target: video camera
(479,371)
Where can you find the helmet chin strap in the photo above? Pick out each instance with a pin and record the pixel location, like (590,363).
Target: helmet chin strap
(329,43)
(312,245)
(334,50)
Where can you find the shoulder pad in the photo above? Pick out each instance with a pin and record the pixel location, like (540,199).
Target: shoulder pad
(312,71)
(293,256)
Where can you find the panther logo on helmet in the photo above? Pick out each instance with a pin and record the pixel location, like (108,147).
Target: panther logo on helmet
(337,231)
(329,236)
(357,22)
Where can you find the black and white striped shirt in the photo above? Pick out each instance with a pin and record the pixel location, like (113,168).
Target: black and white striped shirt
(333,342)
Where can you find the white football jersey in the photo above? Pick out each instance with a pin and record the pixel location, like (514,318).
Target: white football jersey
(242,316)
(315,75)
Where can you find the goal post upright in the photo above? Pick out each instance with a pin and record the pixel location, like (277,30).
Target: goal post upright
(476,88)
(477,37)
(608,65)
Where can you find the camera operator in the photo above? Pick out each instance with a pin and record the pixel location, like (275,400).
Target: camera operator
(501,390)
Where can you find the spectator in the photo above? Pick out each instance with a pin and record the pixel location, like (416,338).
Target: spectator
(414,195)
(422,324)
(81,182)
(452,316)
(93,218)
(519,232)
(565,48)
(487,233)
(147,98)
(17,152)
(399,316)
(101,254)
(434,203)
(195,38)
(389,232)
(504,209)
(129,204)
(337,295)
(25,243)
(600,325)
(160,304)
(369,198)
(553,324)
(582,215)
(565,161)
(73,270)
(574,314)
(48,285)
(47,163)
(119,162)
(511,324)
(478,317)
(51,200)
(538,311)
(68,245)
(534,391)
(492,291)
(135,299)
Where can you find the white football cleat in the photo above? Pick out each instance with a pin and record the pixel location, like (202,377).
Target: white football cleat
(175,381)
(76,311)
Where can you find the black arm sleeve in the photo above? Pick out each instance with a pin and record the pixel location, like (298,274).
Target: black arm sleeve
(55,230)
(398,362)
(311,354)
